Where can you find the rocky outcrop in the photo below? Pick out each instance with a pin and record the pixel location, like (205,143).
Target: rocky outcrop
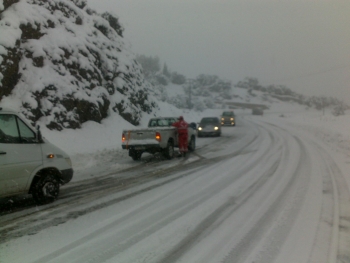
(67,64)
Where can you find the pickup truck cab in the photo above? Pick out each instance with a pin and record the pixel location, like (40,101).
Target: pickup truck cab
(159,136)
(29,164)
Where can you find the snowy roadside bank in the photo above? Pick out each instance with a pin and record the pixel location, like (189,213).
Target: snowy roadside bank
(96,148)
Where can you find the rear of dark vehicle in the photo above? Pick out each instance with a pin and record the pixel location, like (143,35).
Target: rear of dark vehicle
(228,118)
(209,126)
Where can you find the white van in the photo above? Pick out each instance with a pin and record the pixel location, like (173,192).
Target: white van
(29,164)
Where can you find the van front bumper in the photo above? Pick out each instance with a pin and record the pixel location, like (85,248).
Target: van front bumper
(66,175)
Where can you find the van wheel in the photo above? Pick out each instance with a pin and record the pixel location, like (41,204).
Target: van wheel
(46,189)
(192,144)
(169,151)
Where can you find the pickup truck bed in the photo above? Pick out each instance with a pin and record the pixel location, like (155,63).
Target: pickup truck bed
(160,136)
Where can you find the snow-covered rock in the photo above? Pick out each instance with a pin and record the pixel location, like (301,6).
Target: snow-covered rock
(62,64)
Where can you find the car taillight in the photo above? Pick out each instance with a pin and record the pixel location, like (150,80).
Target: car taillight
(123,137)
(158,137)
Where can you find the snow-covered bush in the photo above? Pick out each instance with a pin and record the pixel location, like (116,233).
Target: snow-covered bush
(339,110)
(177,78)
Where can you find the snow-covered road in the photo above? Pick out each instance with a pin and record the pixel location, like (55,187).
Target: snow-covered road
(264,192)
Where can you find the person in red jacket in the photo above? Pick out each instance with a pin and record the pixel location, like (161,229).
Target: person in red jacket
(182,132)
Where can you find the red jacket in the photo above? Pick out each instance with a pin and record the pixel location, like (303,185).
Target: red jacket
(181,126)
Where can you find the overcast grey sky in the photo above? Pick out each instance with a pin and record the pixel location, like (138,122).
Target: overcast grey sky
(303,44)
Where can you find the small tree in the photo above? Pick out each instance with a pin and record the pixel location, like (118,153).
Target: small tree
(114,23)
(178,78)
(339,109)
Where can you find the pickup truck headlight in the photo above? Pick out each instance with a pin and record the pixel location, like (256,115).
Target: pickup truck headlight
(199,128)
(216,128)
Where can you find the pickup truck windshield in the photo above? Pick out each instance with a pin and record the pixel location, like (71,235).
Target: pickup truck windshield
(166,122)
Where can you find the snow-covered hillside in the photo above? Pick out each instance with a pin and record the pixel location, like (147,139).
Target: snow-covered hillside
(62,64)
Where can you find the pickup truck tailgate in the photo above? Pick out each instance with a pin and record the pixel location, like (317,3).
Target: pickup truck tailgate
(138,138)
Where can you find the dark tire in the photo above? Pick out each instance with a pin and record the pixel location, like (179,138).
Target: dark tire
(192,144)
(46,189)
(135,155)
(168,152)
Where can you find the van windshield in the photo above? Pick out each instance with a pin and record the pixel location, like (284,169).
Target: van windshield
(13,130)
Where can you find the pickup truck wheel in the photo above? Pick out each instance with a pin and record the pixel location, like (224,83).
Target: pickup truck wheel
(192,144)
(46,189)
(135,155)
(169,151)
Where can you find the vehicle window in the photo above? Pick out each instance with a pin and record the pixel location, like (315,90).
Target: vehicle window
(228,113)
(27,135)
(153,123)
(9,129)
(162,123)
(209,120)
(167,122)
(171,121)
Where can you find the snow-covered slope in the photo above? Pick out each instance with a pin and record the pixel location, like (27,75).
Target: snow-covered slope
(62,64)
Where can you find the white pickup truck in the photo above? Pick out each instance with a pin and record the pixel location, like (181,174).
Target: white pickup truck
(159,136)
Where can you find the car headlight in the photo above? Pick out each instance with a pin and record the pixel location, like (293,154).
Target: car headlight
(199,128)
(222,119)
(232,119)
(216,128)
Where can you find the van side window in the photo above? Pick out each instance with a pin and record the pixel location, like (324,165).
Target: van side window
(8,126)
(27,135)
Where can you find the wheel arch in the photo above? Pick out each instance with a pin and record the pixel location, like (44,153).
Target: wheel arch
(172,141)
(39,174)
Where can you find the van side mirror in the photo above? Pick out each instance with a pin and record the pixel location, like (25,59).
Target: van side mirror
(38,134)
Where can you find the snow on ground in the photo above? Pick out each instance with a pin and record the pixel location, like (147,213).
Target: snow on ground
(96,149)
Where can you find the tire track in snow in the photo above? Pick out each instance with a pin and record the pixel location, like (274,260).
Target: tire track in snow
(285,207)
(338,251)
(165,217)
(59,212)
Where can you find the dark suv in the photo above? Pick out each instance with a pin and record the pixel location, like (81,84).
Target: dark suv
(228,118)
(209,126)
